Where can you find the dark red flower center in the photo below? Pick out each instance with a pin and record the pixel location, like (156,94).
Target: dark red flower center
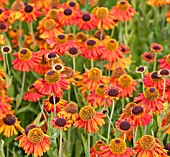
(149,56)
(141,69)
(29,127)
(61,36)
(86,17)
(72,4)
(154,75)
(6,49)
(1,11)
(152,89)
(164,72)
(9,119)
(28,8)
(137,110)
(105,111)
(117,141)
(101,86)
(113,92)
(125,125)
(123,49)
(23,51)
(58,67)
(91,42)
(73,50)
(67,12)
(167,147)
(31,86)
(123,2)
(156,48)
(60,122)
(2,26)
(51,55)
(57,99)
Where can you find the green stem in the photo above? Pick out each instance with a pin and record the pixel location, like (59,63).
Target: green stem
(101,35)
(121,33)
(112,33)
(23,83)
(135,134)
(154,67)
(70,140)
(7,150)
(69,94)
(163,95)
(32,33)
(6,58)
(88,145)
(123,103)
(41,107)
(74,64)
(142,82)
(20,35)
(109,126)
(60,149)
(54,105)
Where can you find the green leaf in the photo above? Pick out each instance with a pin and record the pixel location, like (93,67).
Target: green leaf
(1,148)
(85,144)
(23,109)
(78,148)
(102,137)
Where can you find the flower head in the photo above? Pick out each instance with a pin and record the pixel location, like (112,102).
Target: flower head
(89,119)
(156,48)
(148,56)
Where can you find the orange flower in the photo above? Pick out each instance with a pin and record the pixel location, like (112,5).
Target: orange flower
(30,13)
(123,11)
(148,56)
(167,90)
(153,80)
(111,53)
(104,18)
(117,72)
(32,94)
(95,149)
(3,3)
(166,123)
(92,49)
(68,16)
(4,15)
(155,47)
(15,12)
(97,98)
(70,111)
(40,3)
(49,104)
(156,2)
(127,84)
(113,92)
(168,16)
(93,77)
(34,141)
(147,147)
(86,21)
(61,122)
(140,117)
(59,43)
(127,111)
(89,119)
(4,108)
(4,26)
(25,60)
(151,100)
(125,127)
(2,38)
(53,83)
(164,63)
(117,148)
(9,125)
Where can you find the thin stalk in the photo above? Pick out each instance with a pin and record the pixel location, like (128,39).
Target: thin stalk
(20,35)
(101,35)
(32,33)
(74,64)
(109,126)
(69,94)
(145,128)
(88,145)
(154,67)
(142,82)
(6,58)
(126,29)
(54,105)
(121,33)
(112,33)
(7,150)
(52,65)
(125,136)
(60,149)
(133,132)
(70,144)
(23,83)
(41,107)
(163,95)
(109,71)
(136,134)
